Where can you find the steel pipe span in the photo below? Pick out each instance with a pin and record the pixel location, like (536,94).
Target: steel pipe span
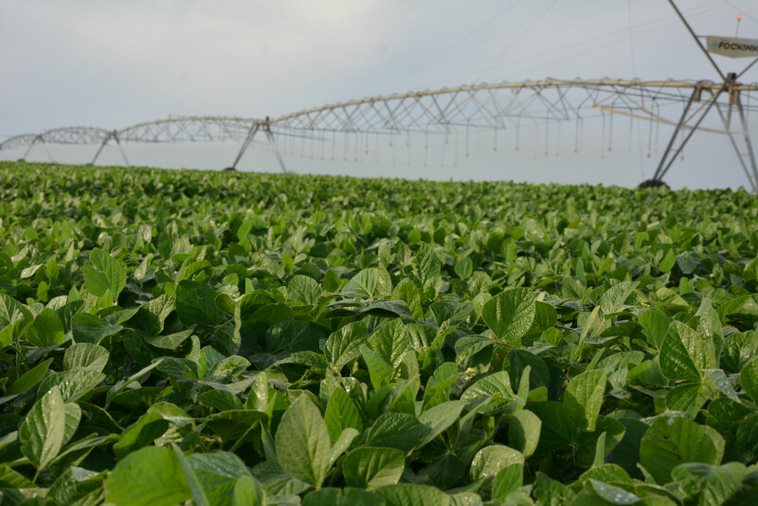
(476,105)
(494,106)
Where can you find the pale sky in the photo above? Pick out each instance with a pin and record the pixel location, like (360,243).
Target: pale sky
(113,63)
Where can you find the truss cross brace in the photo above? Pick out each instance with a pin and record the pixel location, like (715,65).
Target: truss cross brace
(246,143)
(29,149)
(668,159)
(113,135)
(277,153)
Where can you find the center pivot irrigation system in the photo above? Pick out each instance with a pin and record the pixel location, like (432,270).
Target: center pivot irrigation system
(409,120)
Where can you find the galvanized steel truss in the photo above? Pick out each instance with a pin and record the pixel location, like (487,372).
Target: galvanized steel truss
(490,106)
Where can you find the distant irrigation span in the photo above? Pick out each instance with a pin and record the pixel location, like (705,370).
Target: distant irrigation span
(551,108)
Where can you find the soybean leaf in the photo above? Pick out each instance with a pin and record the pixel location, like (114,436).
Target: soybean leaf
(510,314)
(345,497)
(196,304)
(248,492)
(85,356)
(341,413)
(407,494)
(46,330)
(343,346)
(495,388)
(671,441)
(30,378)
(150,476)
(14,317)
(490,460)
(396,430)
(613,300)
(302,442)
(749,379)
(103,273)
(43,432)
(373,467)
(368,284)
(88,328)
(584,397)
(524,429)
(439,418)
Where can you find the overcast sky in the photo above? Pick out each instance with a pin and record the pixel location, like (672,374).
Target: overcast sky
(114,63)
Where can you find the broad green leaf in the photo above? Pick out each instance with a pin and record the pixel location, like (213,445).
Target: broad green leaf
(198,493)
(170,341)
(584,397)
(303,290)
(549,491)
(85,356)
(43,432)
(234,424)
(495,388)
(248,492)
(369,284)
(373,467)
(407,292)
(427,266)
(594,447)
(524,429)
(749,379)
(342,444)
(343,346)
(30,378)
(88,328)
(464,267)
(380,371)
(103,273)
(46,330)
(218,473)
(439,418)
(507,480)
(14,318)
(141,433)
(490,460)
(613,300)
(510,314)
(439,385)
(150,476)
(344,497)
(407,494)
(656,325)
(713,484)
(152,315)
(73,383)
(671,441)
(196,304)
(391,341)
(545,317)
(341,413)
(72,485)
(294,336)
(302,442)
(613,494)
(396,430)
(718,380)
(675,359)
(700,347)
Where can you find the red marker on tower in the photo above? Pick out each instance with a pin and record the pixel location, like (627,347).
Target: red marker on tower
(739,20)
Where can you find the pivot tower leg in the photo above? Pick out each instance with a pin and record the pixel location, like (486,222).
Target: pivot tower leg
(249,139)
(668,159)
(272,141)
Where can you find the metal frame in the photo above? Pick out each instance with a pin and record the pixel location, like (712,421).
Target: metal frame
(499,106)
(733,89)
